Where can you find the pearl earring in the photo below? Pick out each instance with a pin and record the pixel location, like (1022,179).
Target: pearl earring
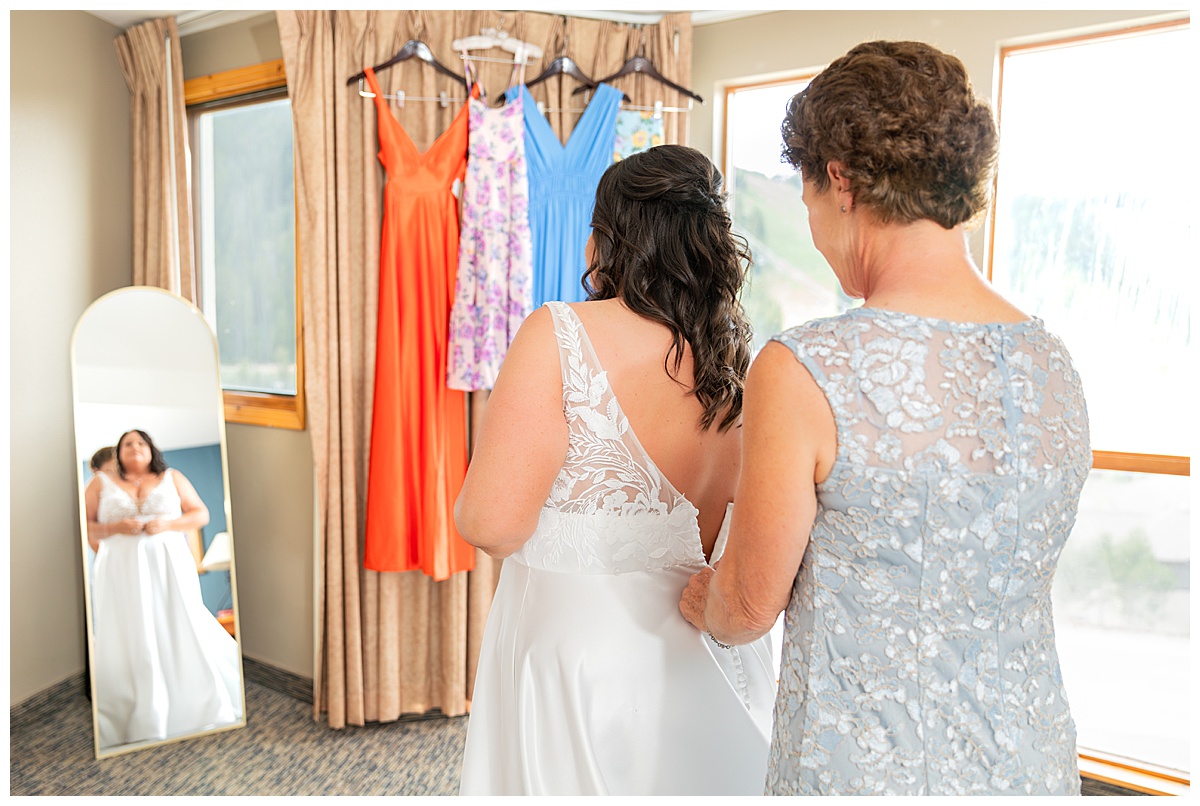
(843,208)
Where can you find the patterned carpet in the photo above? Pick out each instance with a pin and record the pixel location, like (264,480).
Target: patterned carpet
(280,751)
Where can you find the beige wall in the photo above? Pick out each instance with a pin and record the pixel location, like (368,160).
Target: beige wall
(240,44)
(70,220)
(71,242)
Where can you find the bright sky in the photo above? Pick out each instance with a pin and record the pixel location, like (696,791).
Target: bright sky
(757,147)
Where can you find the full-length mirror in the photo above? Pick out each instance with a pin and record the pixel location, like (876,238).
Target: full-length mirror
(157,537)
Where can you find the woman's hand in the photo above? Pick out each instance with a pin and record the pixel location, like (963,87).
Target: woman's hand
(695,598)
(157,525)
(129,526)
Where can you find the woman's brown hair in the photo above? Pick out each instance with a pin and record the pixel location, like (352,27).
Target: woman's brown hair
(665,246)
(902,118)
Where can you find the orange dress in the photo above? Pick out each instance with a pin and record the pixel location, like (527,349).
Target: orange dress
(419,428)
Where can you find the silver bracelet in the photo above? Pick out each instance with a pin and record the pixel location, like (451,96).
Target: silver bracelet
(712,638)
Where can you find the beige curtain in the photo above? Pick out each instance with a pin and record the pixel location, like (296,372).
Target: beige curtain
(391,644)
(151,60)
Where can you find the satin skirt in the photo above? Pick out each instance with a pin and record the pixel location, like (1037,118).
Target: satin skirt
(164,666)
(594,684)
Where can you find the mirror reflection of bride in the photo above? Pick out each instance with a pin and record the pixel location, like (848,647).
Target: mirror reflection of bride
(163,665)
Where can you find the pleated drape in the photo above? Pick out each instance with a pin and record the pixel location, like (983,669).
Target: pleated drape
(151,60)
(393,644)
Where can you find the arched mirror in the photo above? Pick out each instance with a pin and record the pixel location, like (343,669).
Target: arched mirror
(157,538)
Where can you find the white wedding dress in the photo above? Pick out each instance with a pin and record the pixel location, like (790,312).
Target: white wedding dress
(164,666)
(590,681)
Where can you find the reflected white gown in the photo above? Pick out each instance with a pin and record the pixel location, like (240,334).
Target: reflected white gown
(590,680)
(164,666)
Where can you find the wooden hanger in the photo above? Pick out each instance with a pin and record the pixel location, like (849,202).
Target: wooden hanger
(640,64)
(413,48)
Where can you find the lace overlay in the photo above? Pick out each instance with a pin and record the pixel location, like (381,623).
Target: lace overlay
(611,510)
(919,654)
(117,505)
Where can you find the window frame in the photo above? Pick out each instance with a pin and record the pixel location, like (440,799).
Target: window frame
(257,408)
(1139,776)
(731,88)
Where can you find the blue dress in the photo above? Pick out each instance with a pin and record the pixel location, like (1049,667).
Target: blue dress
(562,190)
(919,654)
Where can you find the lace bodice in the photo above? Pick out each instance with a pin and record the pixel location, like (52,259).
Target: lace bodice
(116,504)
(919,655)
(610,510)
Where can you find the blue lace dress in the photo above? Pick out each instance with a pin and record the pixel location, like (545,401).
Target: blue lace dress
(919,654)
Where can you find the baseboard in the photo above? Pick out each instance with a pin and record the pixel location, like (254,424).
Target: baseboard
(276,679)
(46,703)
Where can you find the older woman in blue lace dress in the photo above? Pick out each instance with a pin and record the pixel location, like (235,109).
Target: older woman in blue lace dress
(911,468)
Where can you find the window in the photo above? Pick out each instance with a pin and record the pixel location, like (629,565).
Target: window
(1091,232)
(244,209)
(790,282)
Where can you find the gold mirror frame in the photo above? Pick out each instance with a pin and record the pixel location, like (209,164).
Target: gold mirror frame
(164,355)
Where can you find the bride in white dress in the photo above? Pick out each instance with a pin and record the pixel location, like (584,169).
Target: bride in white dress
(163,664)
(603,472)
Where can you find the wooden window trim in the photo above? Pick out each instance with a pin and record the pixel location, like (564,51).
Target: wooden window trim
(249,408)
(750,84)
(1138,776)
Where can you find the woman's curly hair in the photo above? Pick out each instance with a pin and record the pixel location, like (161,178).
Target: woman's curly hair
(902,118)
(664,245)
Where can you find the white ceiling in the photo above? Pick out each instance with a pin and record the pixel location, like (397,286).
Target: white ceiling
(191,22)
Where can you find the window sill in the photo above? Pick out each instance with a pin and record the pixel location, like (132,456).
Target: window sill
(1146,778)
(246,408)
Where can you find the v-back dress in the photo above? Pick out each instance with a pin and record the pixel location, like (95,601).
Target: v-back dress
(919,654)
(164,666)
(590,680)
(418,454)
(562,190)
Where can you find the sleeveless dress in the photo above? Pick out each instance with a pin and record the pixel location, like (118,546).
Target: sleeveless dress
(590,680)
(494,291)
(164,666)
(418,456)
(919,654)
(562,190)
(637,131)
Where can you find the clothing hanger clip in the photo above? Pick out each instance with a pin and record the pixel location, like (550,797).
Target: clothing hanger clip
(400,98)
(658,110)
(443,101)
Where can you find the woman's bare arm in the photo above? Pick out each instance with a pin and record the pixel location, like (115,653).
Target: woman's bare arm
(788,445)
(521,445)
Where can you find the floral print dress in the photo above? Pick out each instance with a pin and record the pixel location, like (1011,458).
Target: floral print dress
(919,654)
(636,131)
(494,289)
